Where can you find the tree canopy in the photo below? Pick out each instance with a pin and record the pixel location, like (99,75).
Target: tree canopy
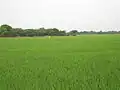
(8,31)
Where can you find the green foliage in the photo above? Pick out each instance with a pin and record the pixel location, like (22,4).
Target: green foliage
(5,27)
(88,62)
(73,33)
(8,31)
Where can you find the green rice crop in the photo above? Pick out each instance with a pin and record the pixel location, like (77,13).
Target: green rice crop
(86,62)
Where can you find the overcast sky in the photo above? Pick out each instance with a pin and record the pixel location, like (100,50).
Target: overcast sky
(62,14)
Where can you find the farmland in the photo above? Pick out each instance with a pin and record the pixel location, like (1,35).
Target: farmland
(86,62)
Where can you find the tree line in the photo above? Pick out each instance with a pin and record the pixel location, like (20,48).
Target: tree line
(8,31)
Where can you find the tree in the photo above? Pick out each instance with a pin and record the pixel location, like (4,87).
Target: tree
(5,30)
(62,33)
(52,32)
(5,27)
(73,32)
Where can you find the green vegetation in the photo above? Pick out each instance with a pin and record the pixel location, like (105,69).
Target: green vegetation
(8,31)
(86,62)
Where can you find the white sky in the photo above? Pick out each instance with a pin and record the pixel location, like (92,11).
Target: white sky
(62,14)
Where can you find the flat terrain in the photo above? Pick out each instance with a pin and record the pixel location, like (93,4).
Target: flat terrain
(86,62)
